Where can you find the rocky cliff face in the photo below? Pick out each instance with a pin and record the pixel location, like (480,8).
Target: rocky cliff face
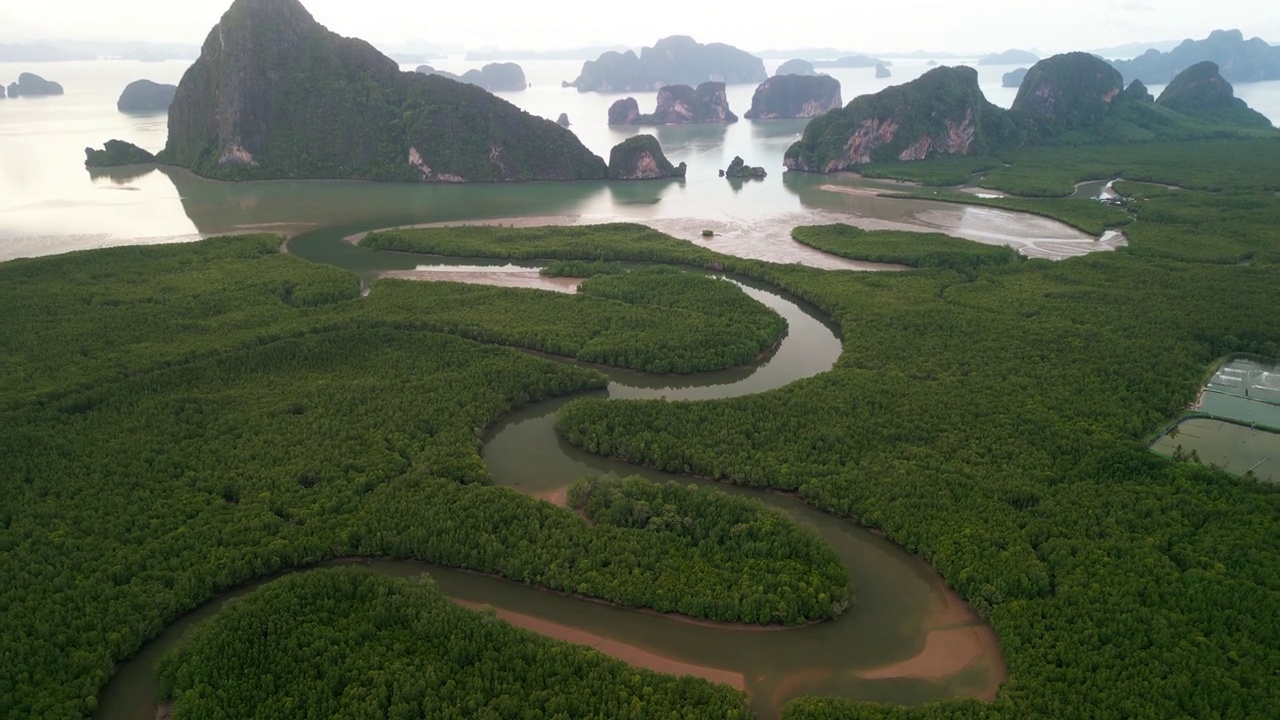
(32,85)
(941,113)
(1201,92)
(677,60)
(276,95)
(678,105)
(1066,92)
(739,170)
(145,96)
(641,158)
(795,96)
(624,112)
(1239,60)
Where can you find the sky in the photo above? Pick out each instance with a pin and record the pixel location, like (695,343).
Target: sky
(894,26)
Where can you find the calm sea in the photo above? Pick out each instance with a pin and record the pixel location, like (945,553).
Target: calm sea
(49,203)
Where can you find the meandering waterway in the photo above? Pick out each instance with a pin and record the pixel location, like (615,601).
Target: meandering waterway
(907,639)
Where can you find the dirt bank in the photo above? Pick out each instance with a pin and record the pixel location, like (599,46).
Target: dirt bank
(627,653)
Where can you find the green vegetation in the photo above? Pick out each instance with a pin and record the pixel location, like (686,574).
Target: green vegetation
(612,242)
(177,420)
(116,153)
(860,132)
(348,643)
(1073,100)
(920,250)
(739,170)
(181,419)
(939,171)
(1218,166)
(1067,92)
(1224,228)
(718,530)
(1199,91)
(581,269)
(657,320)
(795,96)
(85,319)
(997,425)
(329,107)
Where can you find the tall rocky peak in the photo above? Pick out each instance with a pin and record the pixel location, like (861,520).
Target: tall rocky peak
(943,112)
(1067,92)
(1201,92)
(275,94)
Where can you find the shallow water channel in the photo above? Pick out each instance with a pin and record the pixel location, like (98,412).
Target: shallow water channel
(905,640)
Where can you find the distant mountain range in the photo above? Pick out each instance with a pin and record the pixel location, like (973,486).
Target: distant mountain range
(587,53)
(70,50)
(1132,50)
(1240,60)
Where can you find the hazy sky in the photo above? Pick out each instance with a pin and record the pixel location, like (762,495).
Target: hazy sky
(896,25)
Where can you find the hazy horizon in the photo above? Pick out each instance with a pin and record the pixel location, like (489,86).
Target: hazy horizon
(506,25)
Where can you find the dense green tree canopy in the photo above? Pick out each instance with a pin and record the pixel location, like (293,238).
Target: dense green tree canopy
(348,643)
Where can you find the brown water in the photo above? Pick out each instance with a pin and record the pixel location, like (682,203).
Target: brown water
(906,640)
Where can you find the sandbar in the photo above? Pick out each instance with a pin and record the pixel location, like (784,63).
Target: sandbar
(957,640)
(509,276)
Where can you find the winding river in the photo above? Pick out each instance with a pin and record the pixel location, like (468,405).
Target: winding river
(907,639)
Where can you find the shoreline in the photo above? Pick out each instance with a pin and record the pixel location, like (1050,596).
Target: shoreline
(957,640)
(528,221)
